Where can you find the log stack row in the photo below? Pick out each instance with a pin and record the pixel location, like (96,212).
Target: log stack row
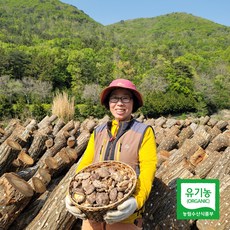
(34,157)
(191,148)
(38,159)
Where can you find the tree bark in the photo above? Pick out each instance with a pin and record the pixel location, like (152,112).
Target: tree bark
(71,141)
(204,120)
(162,156)
(204,167)
(53,214)
(221,166)
(222,125)
(40,180)
(181,171)
(47,121)
(213,132)
(57,164)
(59,143)
(38,147)
(58,126)
(77,126)
(198,157)
(223,223)
(22,134)
(27,173)
(220,142)
(82,141)
(15,194)
(160,208)
(168,143)
(88,124)
(9,129)
(186,133)
(201,137)
(33,208)
(9,152)
(2,131)
(66,128)
(160,121)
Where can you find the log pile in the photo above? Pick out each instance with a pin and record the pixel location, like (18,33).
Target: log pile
(38,159)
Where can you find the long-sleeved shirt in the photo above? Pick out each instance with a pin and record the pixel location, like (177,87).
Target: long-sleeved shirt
(147,161)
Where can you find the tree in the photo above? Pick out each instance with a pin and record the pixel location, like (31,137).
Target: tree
(17,63)
(91,93)
(82,66)
(10,88)
(36,90)
(151,83)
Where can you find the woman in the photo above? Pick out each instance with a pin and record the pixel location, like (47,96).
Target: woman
(127,140)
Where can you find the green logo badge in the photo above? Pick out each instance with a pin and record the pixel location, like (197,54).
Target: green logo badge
(198,199)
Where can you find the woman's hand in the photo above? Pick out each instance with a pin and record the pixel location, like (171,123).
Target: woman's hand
(73,209)
(123,211)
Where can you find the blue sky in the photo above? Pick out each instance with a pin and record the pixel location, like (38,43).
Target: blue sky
(111,11)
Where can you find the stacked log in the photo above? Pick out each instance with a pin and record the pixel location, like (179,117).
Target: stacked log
(38,159)
(223,222)
(9,152)
(5,133)
(13,143)
(203,151)
(160,208)
(27,184)
(53,214)
(15,195)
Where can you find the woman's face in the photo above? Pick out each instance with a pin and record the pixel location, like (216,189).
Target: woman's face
(121,104)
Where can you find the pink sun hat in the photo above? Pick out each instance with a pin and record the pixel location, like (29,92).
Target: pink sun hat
(125,84)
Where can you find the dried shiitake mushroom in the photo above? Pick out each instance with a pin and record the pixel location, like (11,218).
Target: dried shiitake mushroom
(102,186)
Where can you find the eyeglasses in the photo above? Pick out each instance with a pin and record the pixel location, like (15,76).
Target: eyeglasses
(124,99)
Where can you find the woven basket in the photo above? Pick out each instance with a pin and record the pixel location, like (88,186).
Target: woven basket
(97,213)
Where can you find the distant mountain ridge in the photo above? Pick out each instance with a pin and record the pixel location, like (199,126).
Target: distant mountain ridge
(49,19)
(179,61)
(174,26)
(41,19)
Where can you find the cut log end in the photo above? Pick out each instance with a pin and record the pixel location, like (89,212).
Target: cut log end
(39,186)
(51,163)
(64,156)
(164,153)
(19,184)
(49,143)
(25,159)
(16,163)
(44,174)
(72,153)
(13,144)
(71,141)
(198,156)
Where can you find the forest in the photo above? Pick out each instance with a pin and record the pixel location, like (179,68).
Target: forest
(180,62)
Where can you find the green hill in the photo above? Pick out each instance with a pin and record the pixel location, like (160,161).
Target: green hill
(179,61)
(176,27)
(25,22)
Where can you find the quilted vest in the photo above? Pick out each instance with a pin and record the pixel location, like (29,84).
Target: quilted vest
(124,147)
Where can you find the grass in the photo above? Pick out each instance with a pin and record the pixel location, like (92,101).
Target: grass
(63,106)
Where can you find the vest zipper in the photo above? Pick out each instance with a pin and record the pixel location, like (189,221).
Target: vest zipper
(118,152)
(102,152)
(100,155)
(113,142)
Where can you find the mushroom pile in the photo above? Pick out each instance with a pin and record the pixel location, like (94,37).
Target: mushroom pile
(105,185)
